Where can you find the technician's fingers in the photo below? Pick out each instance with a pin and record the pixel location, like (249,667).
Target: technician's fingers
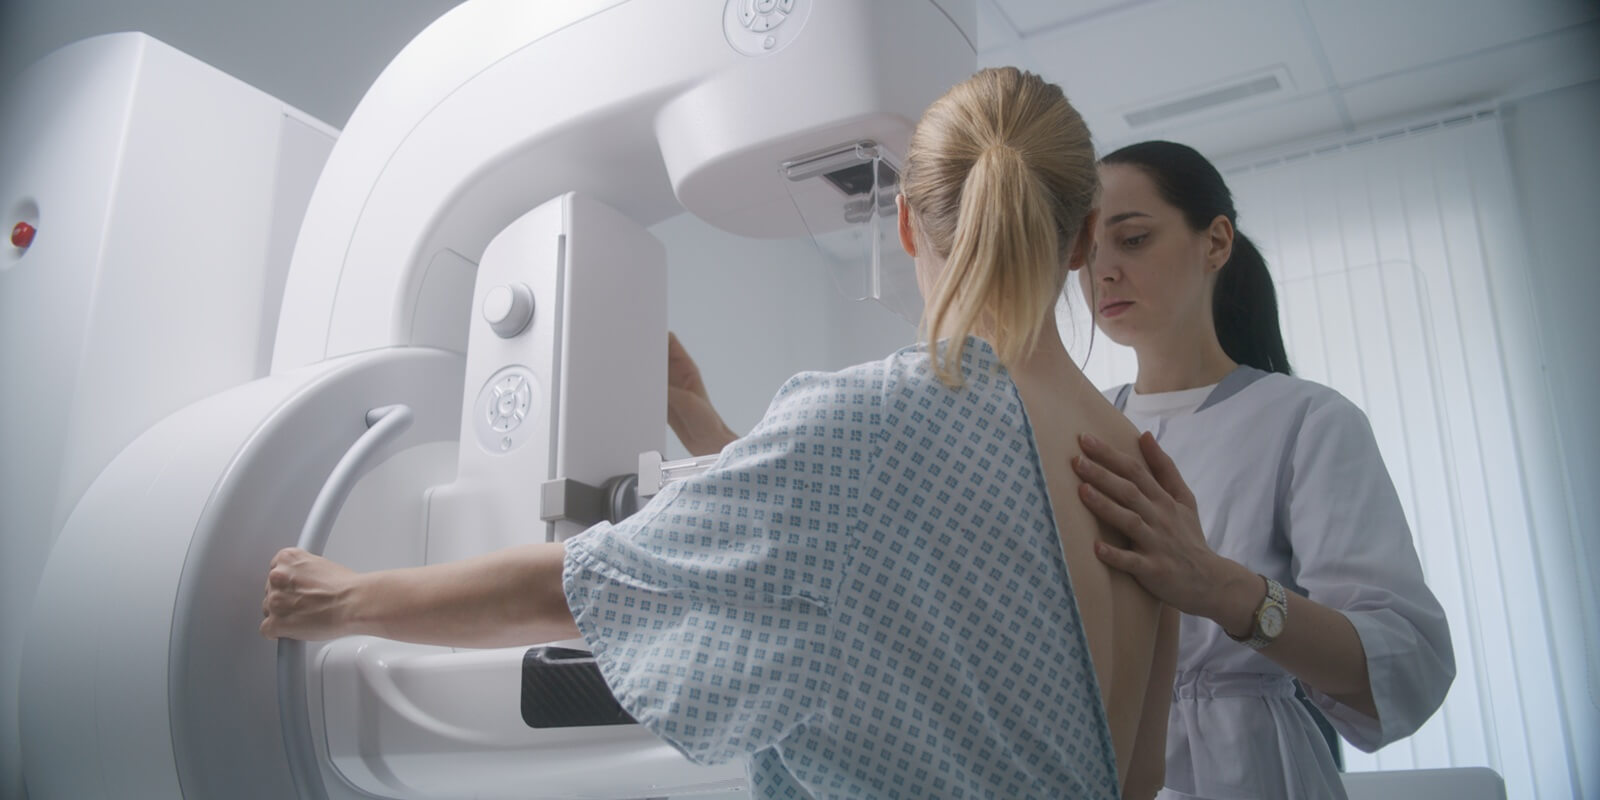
(1119,489)
(1123,560)
(1125,466)
(1165,470)
(1116,515)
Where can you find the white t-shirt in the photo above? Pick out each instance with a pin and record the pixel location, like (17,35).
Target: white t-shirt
(1150,412)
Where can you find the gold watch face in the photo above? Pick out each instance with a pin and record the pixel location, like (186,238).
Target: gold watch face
(1271,622)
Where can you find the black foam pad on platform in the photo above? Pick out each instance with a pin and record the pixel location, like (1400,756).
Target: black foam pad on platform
(562,688)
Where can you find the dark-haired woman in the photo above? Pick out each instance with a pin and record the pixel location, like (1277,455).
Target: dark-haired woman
(1283,543)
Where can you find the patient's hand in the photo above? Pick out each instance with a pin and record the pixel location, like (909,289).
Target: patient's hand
(689,411)
(308,597)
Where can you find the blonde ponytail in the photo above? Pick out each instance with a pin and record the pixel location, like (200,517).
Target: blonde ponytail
(1003,257)
(999,177)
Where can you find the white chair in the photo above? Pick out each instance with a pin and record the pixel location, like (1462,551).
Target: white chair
(1460,783)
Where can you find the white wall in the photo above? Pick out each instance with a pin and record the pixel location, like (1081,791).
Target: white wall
(754,312)
(317,56)
(865,331)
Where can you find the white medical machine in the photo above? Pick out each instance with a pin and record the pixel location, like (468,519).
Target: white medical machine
(151,205)
(470,349)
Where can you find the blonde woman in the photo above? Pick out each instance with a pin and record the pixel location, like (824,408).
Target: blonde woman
(888,588)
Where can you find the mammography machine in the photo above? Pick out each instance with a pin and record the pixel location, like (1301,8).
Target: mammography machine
(153,203)
(473,261)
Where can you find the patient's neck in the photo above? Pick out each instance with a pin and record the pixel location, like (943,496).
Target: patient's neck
(1049,360)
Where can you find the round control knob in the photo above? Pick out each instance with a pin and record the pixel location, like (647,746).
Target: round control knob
(508,309)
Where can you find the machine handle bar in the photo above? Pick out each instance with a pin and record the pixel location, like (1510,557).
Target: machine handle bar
(384,424)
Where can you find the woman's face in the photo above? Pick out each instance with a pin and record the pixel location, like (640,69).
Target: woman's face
(1148,280)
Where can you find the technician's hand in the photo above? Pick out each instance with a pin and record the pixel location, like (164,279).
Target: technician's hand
(694,420)
(307,597)
(1153,507)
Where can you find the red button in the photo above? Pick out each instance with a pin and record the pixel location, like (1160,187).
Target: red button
(22,235)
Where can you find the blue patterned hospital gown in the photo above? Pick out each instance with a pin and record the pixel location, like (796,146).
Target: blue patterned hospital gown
(865,597)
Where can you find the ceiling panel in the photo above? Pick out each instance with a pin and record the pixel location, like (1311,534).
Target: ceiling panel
(1550,62)
(1030,17)
(1365,39)
(1167,50)
(1229,135)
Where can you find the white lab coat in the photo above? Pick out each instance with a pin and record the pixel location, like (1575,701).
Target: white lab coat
(1290,483)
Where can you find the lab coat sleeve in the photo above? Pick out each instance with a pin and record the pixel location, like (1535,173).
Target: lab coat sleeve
(1352,551)
(710,610)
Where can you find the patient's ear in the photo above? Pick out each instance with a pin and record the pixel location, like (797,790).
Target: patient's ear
(1084,243)
(908,237)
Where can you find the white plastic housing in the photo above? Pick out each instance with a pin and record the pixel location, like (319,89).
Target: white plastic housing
(417,722)
(644,106)
(167,197)
(583,386)
(144,675)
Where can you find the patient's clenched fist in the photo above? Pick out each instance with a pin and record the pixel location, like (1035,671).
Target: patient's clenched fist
(307,597)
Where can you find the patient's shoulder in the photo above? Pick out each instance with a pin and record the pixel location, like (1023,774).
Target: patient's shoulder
(901,397)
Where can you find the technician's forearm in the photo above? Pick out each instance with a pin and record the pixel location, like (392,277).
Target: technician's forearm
(501,599)
(1318,645)
(1321,648)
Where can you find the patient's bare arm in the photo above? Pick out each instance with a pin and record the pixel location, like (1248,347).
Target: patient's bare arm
(1147,766)
(694,420)
(509,597)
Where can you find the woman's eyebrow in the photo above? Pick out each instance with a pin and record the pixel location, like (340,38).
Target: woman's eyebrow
(1124,216)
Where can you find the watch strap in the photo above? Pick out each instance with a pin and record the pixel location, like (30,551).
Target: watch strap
(1275,597)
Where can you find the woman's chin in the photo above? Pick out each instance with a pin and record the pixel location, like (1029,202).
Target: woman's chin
(1119,331)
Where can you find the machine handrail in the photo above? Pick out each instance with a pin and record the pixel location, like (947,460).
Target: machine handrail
(383,425)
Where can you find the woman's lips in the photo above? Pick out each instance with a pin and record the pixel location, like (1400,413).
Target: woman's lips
(1115,309)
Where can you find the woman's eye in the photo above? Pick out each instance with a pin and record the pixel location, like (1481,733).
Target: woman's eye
(1134,241)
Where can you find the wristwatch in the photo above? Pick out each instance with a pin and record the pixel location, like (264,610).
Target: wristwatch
(1269,620)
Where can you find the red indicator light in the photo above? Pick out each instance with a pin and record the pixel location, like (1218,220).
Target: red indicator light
(22,235)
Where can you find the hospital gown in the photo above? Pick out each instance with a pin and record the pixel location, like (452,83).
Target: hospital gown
(865,597)
(1290,483)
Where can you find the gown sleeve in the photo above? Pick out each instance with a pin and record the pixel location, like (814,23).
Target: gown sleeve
(710,610)
(1352,551)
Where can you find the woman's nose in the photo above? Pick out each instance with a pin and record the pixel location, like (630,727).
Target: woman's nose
(1104,269)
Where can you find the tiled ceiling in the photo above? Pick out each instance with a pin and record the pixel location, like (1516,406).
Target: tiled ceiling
(1341,64)
(1367,39)
(1032,18)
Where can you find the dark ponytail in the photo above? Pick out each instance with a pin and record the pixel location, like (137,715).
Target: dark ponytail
(1244,307)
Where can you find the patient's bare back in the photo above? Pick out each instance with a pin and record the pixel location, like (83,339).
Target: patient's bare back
(1120,619)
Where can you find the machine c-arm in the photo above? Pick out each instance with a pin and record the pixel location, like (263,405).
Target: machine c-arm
(650,108)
